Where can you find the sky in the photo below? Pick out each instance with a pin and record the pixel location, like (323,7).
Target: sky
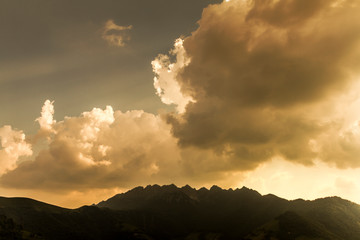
(98,97)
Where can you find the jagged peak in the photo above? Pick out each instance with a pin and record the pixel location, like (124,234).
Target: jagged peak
(155,186)
(187,187)
(334,199)
(136,189)
(170,187)
(216,188)
(155,190)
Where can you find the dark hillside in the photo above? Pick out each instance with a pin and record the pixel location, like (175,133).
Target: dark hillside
(169,212)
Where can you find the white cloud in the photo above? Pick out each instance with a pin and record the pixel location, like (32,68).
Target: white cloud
(100,148)
(165,80)
(13,146)
(46,121)
(104,148)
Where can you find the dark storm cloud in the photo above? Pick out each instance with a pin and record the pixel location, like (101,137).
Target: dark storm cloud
(251,62)
(257,71)
(285,13)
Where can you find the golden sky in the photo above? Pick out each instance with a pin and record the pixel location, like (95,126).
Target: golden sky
(261,93)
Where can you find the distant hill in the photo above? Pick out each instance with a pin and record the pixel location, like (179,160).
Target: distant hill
(169,212)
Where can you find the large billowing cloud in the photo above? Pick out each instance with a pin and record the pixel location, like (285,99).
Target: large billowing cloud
(266,77)
(100,148)
(108,149)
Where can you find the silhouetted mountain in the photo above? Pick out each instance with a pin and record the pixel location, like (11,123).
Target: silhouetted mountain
(169,212)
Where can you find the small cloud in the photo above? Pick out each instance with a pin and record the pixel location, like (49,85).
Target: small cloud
(114,34)
(46,121)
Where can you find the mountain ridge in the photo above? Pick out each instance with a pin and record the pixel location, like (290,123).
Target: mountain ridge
(171,212)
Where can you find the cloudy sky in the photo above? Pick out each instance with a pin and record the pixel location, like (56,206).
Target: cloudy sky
(97,97)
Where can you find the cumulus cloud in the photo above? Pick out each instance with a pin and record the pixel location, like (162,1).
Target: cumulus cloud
(165,83)
(100,148)
(261,74)
(104,148)
(46,120)
(114,34)
(13,146)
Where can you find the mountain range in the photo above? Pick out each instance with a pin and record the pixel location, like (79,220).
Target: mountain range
(169,212)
